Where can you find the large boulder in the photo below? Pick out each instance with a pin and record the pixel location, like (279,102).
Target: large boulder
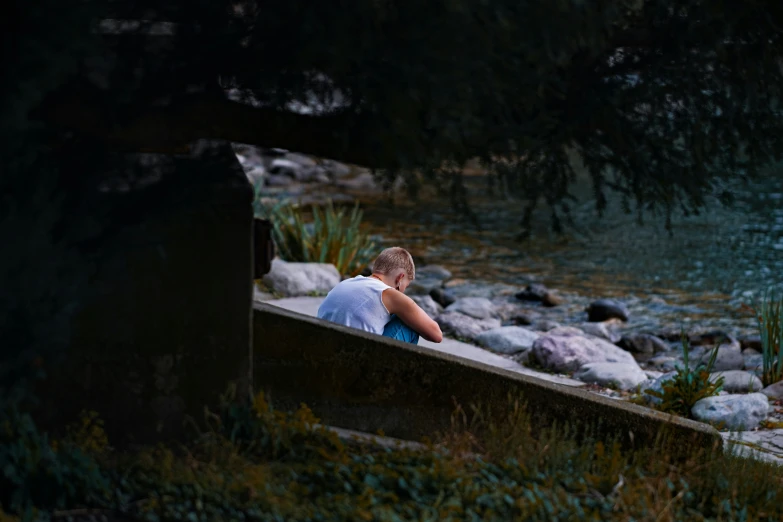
(568,349)
(737,381)
(427,304)
(508,339)
(299,279)
(622,376)
(478,307)
(605,309)
(464,326)
(732,412)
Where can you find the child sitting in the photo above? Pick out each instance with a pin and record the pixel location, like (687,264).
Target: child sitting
(378,303)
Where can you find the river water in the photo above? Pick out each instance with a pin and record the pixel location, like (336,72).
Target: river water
(696,279)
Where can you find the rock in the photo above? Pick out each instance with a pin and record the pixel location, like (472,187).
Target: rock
(565,330)
(508,339)
(442,297)
(335,169)
(664,363)
(256,175)
(524,317)
(737,381)
(287,168)
(566,349)
(751,343)
(712,338)
(465,326)
(601,330)
(533,292)
(551,299)
(732,412)
(539,293)
(298,279)
(657,386)
(363,182)
(423,286)
(753,362)
(774,391)
(621,376)
(643,343)
(427,304)
(604,309)
(545,325)
(749,351)
(433,272)
(278,180)
(729,358)
(478,307)
(652,374)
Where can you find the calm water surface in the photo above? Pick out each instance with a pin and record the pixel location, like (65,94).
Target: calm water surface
(696,279)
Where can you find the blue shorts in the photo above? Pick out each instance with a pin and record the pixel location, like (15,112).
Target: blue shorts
(396,329)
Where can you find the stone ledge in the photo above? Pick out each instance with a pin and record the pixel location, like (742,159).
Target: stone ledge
(367,383)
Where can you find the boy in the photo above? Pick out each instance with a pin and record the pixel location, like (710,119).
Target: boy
(378,303)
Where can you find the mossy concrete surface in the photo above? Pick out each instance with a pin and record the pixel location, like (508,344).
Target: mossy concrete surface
(170,326)
(359,381)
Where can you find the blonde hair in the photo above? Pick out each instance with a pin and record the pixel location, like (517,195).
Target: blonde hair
(393,258)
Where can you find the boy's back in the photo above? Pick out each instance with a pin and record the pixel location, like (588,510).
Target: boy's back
(357,303)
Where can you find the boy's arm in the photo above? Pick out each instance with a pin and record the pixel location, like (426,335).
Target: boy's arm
(409,312)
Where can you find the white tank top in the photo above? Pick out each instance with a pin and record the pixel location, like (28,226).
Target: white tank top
(357,303)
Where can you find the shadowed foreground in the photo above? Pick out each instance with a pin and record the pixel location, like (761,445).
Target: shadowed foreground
(255,463)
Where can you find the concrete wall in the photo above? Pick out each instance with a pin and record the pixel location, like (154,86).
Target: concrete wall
(364,382)
(170,326)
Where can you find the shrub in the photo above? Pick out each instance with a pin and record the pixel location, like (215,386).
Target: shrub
(769,315)
(257,463)
(688,386)
(331,237)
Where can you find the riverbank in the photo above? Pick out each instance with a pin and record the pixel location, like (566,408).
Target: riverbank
(699,279)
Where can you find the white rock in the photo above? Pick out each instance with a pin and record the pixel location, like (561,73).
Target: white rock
(478,307)
(622,376)
(737,381)
(428,304)
(508,339)
(602,330)
(732,412)
(465,326)
(729,358)
(566,349)
(297,279)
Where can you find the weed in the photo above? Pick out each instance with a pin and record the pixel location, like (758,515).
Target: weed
(769,315)
(331,237)
(688,386)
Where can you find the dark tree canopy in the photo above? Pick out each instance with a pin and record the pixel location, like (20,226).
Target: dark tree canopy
(659,98)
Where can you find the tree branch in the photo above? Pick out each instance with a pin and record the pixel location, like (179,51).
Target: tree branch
(343,137)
